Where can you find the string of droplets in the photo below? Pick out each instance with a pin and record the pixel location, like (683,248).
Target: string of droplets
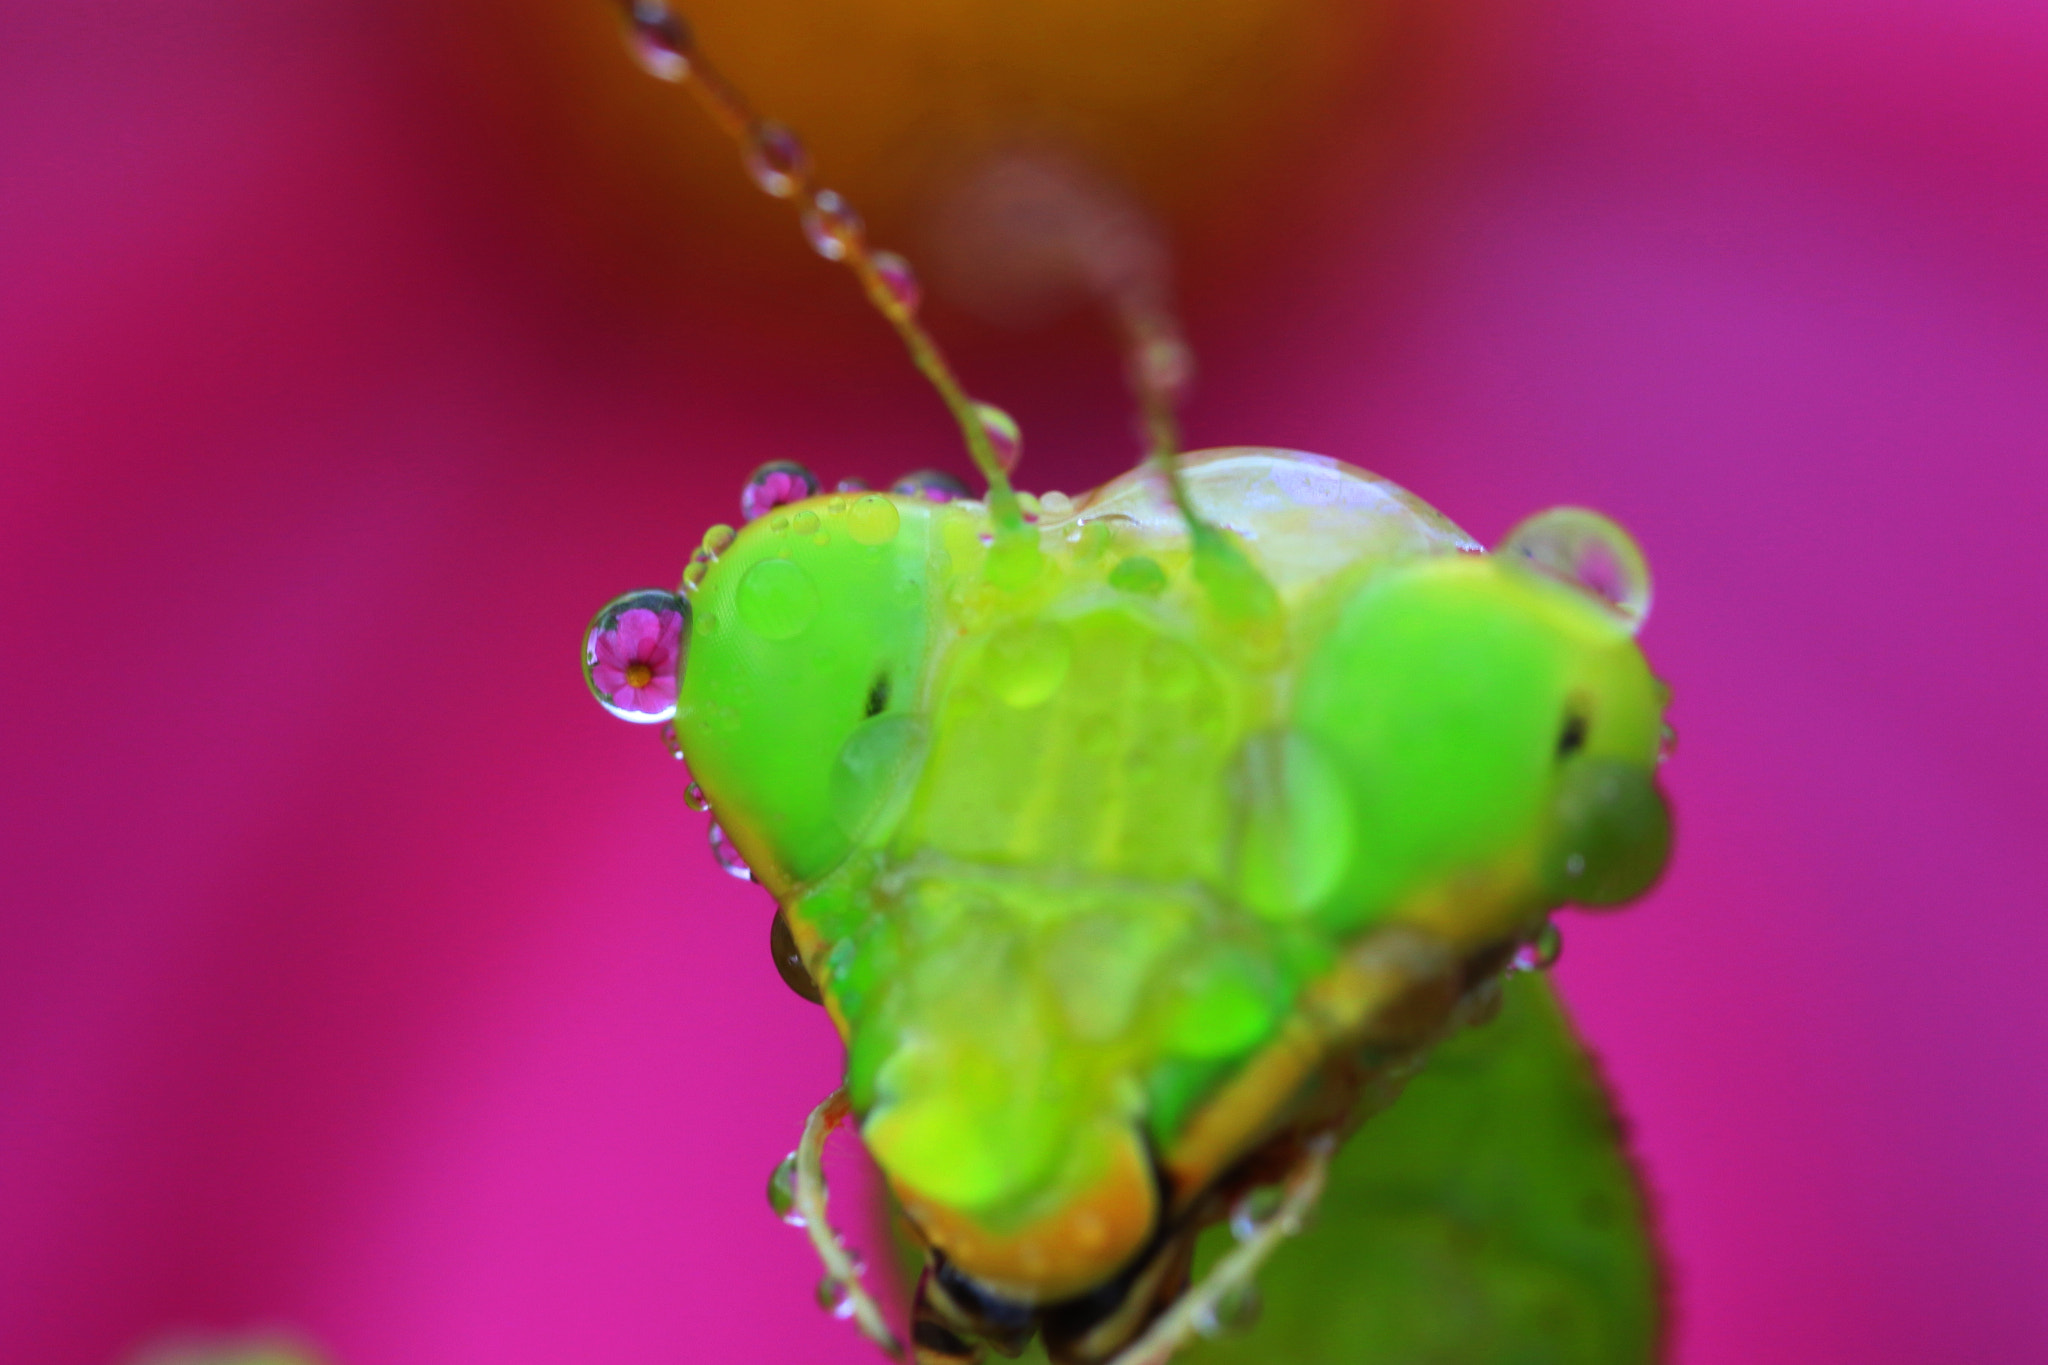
(780,165)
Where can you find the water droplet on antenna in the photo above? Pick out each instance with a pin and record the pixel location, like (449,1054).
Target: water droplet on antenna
(832,226)
(1002,432)
(776,159)
(1540,954)
(1235,1310)
(898,280)
(660,39)
(782,1191)
(835,1297)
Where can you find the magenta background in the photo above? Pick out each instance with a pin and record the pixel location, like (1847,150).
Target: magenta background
(357,974)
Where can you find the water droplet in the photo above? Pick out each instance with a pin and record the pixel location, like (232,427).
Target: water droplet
(1541,953)
(873,520)
(933,485)
(774,484)
(728,856)
(1667,743)
(693,574)
(782,1191)
(804,523)
(835,1297)
(1588,551)
(695,799)
(1139,574)
(789,963)
(660,39)
(777,599)
(675,745)
(1002,432)
(719,539)
(1055,504)
(1236,1310)
(853,484)
(832,226)
(899,281)
(1025,664)
(633,654)
(1251,1211)
(776,159)
(1164,365)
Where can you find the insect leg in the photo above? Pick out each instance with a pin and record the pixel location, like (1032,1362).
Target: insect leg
(938,1336)
(841,1271)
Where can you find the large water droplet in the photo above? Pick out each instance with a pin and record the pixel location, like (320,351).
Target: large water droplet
(1003,434)
(633,654)
(782,1191)
(719,539)
(1252,1211)
(899,281)
(1588,551)
(774,484)
(1025,664)
(695,799)
(933,485)
(776,159)
(777,599)
(789,963)
(660,39)
(873,520)
(728,855)
(1236,1310)
(832,226)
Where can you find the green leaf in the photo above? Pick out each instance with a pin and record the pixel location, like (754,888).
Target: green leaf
(1490,1217)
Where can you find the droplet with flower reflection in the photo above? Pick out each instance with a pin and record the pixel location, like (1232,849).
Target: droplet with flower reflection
(774,484)
(633,654)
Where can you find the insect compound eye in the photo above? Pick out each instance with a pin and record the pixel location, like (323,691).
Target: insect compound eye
(1591,553)
(633,654)
(1611,833)
(1571,737)
(878,697)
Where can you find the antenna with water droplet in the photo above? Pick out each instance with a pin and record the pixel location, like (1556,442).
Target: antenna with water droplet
(662,41)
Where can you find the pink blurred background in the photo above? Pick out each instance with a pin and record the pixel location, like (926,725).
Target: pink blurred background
(359,976)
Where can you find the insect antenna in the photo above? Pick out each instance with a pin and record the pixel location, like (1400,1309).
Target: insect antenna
(776,159)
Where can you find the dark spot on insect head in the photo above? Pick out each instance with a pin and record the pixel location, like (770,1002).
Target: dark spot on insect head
(878,695)
(1572,737)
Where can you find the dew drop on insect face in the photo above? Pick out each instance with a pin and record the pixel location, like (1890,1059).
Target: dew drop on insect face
(633,655)
(777,599)
(1055,504)
(1542,953)
(776,483)
(804,523)
(873,520)
(1002,432)
(782,1191)
(835,1297)
(1139,575)
(776,159)
(719,539)
(899,281)
(728,855)
(1589,552)
(933,485)
(831,225)
(1237,1310)
(1025,664)
(1667,743)
(695,799)
(660,39)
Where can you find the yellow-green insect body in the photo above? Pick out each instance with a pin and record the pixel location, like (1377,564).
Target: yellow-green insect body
(1112,894)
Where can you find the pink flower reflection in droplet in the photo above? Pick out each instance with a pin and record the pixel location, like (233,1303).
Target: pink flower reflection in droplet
(636,659)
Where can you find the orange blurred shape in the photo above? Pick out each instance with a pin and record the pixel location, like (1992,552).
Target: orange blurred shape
(1199,111)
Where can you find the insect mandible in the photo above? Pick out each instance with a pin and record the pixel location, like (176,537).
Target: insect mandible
(1136,842)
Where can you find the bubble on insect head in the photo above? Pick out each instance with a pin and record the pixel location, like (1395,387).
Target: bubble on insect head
(1024,664)
(1139,575)
(832,227)
(782,1192)
(899,282)
(873,520)
(633,654)
(728,854)
(1586,550)
(659,38)
(1611,833)
(933,485)
(1295,824)
(776,599)
(774,484)
(789,965)
(868,785)
(776,159)
(1004,436)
